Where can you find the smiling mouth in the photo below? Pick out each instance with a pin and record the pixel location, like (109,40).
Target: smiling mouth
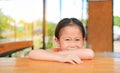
(72,48)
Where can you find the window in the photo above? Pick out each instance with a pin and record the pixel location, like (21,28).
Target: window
(116,26)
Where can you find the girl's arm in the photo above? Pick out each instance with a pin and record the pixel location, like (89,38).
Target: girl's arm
(81,53)
(41,54)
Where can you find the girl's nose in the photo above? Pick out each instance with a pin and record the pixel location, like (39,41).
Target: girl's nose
(73,45)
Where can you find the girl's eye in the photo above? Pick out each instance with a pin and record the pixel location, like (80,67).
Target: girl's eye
(67,39)
(77,39)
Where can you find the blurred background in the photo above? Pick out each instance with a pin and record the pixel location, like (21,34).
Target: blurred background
(35,20)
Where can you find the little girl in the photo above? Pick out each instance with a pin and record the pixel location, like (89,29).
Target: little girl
(69,36)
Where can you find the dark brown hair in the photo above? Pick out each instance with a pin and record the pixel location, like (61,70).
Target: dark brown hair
(68,22)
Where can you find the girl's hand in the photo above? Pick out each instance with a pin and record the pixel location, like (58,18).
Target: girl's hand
(70,59)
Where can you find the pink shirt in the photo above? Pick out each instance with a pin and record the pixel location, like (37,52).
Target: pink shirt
(56,49)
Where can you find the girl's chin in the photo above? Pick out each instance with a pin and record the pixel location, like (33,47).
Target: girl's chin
(72,48)
(69,49)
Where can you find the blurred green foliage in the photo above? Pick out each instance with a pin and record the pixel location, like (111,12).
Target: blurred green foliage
(117,21)
(50,34)
(5,22)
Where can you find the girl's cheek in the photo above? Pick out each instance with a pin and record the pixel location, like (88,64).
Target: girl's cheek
(64,47)
(80,45)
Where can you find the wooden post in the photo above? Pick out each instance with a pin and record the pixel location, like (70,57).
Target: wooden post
(100,21)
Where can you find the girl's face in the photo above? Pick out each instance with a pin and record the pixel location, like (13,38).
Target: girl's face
(70,38)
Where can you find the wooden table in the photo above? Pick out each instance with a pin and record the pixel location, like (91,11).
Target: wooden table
(24,65)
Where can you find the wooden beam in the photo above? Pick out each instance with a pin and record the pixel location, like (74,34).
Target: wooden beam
(9,48)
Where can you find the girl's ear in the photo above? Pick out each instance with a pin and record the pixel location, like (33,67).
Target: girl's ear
(84,39)
(84,43)
(57,41)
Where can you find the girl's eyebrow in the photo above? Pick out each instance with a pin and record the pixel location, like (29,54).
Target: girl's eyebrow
(78,37)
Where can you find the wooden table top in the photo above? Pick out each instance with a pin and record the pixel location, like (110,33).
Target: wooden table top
(24,65)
